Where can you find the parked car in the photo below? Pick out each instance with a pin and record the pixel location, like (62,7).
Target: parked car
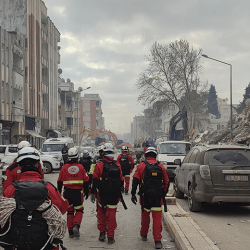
(7,149)
(213,174)
(168,151)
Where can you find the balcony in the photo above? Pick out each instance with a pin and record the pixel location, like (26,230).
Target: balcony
(18,70)
(45,54)
(45,28)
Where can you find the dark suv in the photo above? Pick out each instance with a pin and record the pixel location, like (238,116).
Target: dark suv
(214,174)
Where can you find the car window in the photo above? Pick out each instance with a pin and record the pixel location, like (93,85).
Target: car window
(2,149)
(174,148)
(52,147)
(193,156)
(13,149)
(229,157)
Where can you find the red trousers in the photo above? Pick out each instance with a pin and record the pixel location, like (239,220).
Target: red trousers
(126,180)
(74,216)
(157,224)
(107,220)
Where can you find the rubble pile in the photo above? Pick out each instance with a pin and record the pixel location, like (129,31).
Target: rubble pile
(241,131)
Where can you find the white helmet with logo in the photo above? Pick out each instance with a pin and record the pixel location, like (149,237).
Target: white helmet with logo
(151,150)
(23,144)
(73,153)
(124,148)
(108,147)
(28,153)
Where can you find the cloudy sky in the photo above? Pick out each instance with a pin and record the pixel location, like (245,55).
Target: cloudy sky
(104,44)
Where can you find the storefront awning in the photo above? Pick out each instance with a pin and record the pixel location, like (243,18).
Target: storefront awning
(34,134)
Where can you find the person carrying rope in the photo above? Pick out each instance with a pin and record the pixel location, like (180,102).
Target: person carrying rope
(31,209)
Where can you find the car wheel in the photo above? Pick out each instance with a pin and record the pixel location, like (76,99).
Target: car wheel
(193,205)
(47,168)
(177,191)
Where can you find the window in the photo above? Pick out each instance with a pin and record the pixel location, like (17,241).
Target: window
(86,104)
(69,121)
(86,124)
(193,156)
(97,103)
(86,113)
(97,113)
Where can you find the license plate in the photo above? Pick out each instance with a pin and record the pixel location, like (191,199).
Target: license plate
(236,177)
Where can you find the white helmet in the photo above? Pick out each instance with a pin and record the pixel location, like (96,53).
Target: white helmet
(23,144)
(86,152)
(28,153)
(108,147)
(100,148)
(151,150)
(73,153)
(124,148)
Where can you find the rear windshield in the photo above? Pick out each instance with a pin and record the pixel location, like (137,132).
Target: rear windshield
(174,148)
(2,149)
(229,157)
(52,147)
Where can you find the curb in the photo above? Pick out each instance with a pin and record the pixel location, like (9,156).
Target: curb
(186,233)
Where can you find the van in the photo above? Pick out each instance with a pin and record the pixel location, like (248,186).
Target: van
(54,146)
(168,151)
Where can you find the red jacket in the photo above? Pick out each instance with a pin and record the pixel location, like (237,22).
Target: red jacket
(130,159)
(139,173)
(13,173)
(53,193)
(99,168)
(73,175)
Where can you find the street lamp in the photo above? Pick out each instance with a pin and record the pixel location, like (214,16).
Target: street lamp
(231,93)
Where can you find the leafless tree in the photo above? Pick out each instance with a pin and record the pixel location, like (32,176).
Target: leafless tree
(173,76)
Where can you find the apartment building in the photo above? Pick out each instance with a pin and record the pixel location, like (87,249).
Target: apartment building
(69,110)
(91,112)
(40,85)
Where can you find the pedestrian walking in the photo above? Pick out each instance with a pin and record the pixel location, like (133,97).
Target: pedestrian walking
(65,150)
(74,179)
(153,180)
(107,177)
(35,208)
(127,164)
(86,160)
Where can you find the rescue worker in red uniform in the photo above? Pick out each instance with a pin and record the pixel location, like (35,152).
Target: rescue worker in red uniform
(74,179)
(127,164)
(28,159)
(13,172)
(153,180)
(107,177)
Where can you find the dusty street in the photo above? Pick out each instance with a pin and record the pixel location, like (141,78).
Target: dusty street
(126,235)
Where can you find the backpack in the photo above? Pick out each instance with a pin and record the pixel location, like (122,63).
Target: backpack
(124,161)
(153,180)
(111,183)
(29,230)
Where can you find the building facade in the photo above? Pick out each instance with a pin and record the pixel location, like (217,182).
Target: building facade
(91,112)
(40,85)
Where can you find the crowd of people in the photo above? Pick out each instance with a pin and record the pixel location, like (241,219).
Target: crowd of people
(35,202)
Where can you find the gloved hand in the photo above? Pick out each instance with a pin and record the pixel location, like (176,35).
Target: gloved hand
(92,198)
(86,195)
(134,199)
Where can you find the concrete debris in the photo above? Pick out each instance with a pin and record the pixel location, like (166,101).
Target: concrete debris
(240,131)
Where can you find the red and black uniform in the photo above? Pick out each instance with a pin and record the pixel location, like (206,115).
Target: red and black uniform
(107,195)
(13,173)
(74,178)
(127,164)
(53,193)
(149,202)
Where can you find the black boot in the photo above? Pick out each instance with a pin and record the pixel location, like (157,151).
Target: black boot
(158,245)
(111,240)
(71,234)
(144,237)
(102,236)
(76,231)
(126,192)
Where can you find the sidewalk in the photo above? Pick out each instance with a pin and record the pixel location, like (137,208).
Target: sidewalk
(187,234)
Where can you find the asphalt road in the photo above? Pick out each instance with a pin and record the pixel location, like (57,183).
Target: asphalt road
(127,234)
(227,225)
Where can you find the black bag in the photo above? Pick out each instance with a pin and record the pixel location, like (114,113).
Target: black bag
(124,161)
(29,230)
(111,184)
(152,180)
